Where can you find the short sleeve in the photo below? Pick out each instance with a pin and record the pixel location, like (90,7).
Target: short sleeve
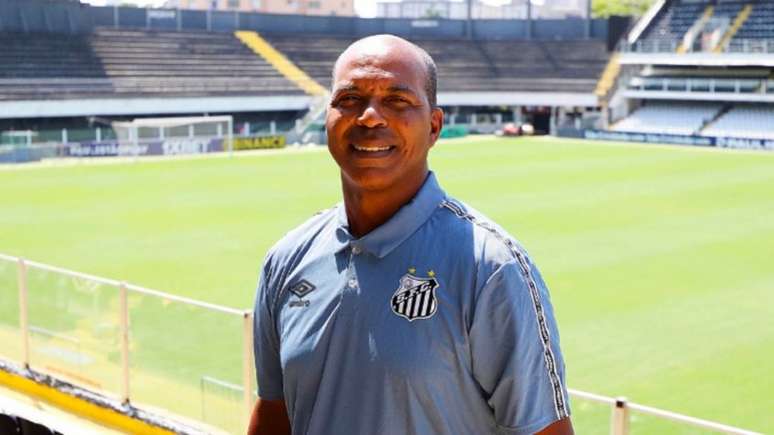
(515,350)
(266,343)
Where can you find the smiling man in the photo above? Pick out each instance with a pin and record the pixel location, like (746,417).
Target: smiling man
(401,311)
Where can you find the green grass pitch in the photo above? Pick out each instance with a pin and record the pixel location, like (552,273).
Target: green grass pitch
(660,259)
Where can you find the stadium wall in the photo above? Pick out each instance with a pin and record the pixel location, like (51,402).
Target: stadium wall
(674,139)
(70,17)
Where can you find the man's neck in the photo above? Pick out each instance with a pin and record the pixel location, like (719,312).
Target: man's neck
(368,209)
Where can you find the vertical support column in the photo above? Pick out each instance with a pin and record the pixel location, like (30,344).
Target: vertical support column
(124,327)
(64,136)
(115,17)
(619,419)
(98,134)
(273,127)
(24,312)
(209,20)
(230,136)
(179,20)
(247,365)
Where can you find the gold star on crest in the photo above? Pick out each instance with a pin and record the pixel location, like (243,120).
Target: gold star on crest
(412,270)
(430,273)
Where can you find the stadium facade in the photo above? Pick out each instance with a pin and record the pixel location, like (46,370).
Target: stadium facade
(690,71)
(697,72)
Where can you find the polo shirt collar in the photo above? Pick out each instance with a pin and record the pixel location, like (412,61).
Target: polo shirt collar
(385,238)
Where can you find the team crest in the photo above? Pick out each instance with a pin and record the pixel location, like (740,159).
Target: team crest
(415,297)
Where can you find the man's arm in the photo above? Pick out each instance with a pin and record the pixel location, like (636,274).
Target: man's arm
(270,417)
(561,427)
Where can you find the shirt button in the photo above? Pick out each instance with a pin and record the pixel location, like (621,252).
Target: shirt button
(356,249)
(352,283)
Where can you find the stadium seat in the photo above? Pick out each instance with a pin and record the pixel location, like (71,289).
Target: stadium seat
(669,118)
(473,66)
(128,63)
(744,121)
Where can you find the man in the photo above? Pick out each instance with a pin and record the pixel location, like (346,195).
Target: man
(401,311)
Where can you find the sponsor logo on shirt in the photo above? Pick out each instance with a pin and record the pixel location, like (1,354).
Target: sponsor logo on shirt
(415,296)
(301,289)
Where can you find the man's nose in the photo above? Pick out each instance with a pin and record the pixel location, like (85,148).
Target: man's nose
(371,117)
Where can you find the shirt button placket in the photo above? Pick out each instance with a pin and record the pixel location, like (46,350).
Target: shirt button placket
(351,277)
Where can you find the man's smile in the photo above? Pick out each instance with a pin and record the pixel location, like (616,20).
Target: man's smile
(371,150)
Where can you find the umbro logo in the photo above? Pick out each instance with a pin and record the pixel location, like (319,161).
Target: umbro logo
(301,289)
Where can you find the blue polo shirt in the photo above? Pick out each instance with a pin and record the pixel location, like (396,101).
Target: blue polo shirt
(436,322)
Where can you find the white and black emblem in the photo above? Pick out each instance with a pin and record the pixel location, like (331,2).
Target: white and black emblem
(415,297)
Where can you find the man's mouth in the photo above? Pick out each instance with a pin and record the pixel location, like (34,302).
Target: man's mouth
(372,150)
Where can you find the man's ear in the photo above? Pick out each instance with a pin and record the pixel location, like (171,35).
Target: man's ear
(436,124)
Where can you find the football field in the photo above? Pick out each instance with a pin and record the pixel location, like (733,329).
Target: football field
(660,259)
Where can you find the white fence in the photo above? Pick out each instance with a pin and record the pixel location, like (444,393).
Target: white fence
(185,357)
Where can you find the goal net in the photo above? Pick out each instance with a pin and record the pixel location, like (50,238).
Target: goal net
(174,136)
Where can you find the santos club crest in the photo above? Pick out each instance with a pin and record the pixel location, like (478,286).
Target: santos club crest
(415,297)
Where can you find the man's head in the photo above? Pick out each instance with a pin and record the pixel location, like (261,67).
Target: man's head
(383,118)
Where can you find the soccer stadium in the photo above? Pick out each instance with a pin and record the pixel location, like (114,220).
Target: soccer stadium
(150,156)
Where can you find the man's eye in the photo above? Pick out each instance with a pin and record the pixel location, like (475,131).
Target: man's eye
(398,101)
(348,100)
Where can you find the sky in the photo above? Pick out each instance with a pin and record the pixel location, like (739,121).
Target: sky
(364,8)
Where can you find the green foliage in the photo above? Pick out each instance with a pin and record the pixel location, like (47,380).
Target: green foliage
(606,8)
(658,257)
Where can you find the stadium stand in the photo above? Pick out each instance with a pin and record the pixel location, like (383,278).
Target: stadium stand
(120,62)
(758,24)
(38,66)
(469,65)
(750,121)
(721,87)
(671,118)
(672,22)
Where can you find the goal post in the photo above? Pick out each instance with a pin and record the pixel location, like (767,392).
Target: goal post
(175,135)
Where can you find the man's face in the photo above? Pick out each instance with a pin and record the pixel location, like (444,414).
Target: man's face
(380,124)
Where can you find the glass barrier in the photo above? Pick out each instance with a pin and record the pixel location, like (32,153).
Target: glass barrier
(187,360)
(10,332)
(74,329)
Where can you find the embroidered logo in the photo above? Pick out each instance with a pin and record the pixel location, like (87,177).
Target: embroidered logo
(301,289)
(415,297)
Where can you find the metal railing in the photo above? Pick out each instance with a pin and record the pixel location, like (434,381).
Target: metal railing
(712,85)
(127,342)
(735,46)
(119,307)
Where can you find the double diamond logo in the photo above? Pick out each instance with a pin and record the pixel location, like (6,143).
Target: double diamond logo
(301,289)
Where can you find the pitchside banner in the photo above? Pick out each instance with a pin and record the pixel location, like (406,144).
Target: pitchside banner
(720,142)
(166,147)
(169,147)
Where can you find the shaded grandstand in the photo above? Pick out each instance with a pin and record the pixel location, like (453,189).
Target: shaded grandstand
(701,69)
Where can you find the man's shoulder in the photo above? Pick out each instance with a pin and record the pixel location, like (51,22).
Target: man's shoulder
(302,238)
(490,241)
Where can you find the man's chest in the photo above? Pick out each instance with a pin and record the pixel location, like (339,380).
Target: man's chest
(395,317)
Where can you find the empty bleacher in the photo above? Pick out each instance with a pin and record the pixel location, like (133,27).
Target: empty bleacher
(129,63)
(469,66)
(760,23)
(744,121)
(669,118)
(673,21)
